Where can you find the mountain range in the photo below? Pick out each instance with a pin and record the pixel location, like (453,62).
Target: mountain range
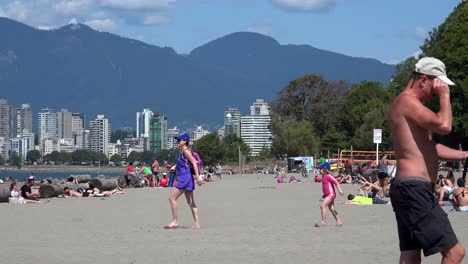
(92,72)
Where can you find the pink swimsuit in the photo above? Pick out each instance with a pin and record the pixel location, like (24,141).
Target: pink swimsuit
(328,187)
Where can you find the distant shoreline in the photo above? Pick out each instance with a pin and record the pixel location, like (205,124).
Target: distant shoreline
(62,168)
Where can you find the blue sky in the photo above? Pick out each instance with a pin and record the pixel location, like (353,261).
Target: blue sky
(388,30)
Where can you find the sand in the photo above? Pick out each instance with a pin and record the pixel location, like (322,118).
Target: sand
(245,219)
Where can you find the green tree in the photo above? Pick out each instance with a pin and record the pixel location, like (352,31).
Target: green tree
(55,156)
(311,98)
(169,155)
(294,138)
(401,77)
(333,141)
(2,161)
(33,156)
(147,157)
(116,159)
(82,156)
(449,43)
(100,158)
(65,157)
(231,144)
(377,118)
(361,99)
(134,156)
(209,148)
(16,160)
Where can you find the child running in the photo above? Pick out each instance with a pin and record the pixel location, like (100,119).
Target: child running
(329,194)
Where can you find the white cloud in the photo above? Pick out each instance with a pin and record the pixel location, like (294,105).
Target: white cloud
(2,13)
(44,27)
(17,10)
(416,54)
(101,24)
(71,7)
(138,4)
(155,20)
(305,5)
(73,20)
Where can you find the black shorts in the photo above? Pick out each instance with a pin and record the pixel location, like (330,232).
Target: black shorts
(422,224)
(383,175)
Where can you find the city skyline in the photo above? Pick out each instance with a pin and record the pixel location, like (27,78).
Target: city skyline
(65,130)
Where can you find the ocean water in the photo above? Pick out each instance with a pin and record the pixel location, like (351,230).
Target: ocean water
(22,175)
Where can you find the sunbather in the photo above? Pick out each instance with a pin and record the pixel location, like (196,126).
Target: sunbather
(361,200)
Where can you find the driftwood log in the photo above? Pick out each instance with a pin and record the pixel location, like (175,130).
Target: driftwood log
(50,190)
(128,181)
(104,184)
(84,178)
(4,192)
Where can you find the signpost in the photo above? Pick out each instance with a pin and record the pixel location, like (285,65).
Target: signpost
(377,140)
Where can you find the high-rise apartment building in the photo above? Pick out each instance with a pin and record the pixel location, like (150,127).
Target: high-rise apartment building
(64,124)
(81,139)
(143,120)
(158,132)
(232,119)
(22,143)
(99,134)
(255,129)
(47,124)
(5,119)
(77,122)
(3,148)
(171,143)
(24,119)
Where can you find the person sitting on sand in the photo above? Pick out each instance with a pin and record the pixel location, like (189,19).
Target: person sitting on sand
(353,199)
(344,178)
(164,181)
(460,196)
(17,194)
(447,187)
(369,188)
(26,191)
(130,170)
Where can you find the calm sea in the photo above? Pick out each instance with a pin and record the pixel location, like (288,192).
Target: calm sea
(21,175)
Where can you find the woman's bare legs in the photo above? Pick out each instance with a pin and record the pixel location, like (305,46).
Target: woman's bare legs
(175,210)
(194,208)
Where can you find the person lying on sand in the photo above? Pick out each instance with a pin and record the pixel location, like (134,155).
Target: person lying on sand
(361,200)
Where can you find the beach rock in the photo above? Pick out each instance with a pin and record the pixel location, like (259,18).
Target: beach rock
(50,190)
(104,184)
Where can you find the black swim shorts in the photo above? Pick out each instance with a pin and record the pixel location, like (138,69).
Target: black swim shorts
(422,224)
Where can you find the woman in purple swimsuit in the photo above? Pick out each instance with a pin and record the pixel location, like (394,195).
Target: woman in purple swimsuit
(187,175)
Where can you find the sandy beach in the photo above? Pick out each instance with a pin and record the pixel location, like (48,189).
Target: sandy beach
(245,219)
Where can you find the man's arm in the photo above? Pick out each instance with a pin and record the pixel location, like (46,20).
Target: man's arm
(446,153)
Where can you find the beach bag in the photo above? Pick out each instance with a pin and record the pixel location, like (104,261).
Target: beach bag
(197,159)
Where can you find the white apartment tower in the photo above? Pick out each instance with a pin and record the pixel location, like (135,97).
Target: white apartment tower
(64,124)
(99,134)
(47,124)
(24,119)
(255,129)
(143,120)
(171,143)
(198,133)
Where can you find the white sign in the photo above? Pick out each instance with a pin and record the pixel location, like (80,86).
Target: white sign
(377,136)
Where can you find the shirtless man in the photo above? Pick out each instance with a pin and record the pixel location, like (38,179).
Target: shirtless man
(460,195)
(422,224)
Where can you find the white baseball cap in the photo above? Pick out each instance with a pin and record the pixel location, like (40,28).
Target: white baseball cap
(433,67)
